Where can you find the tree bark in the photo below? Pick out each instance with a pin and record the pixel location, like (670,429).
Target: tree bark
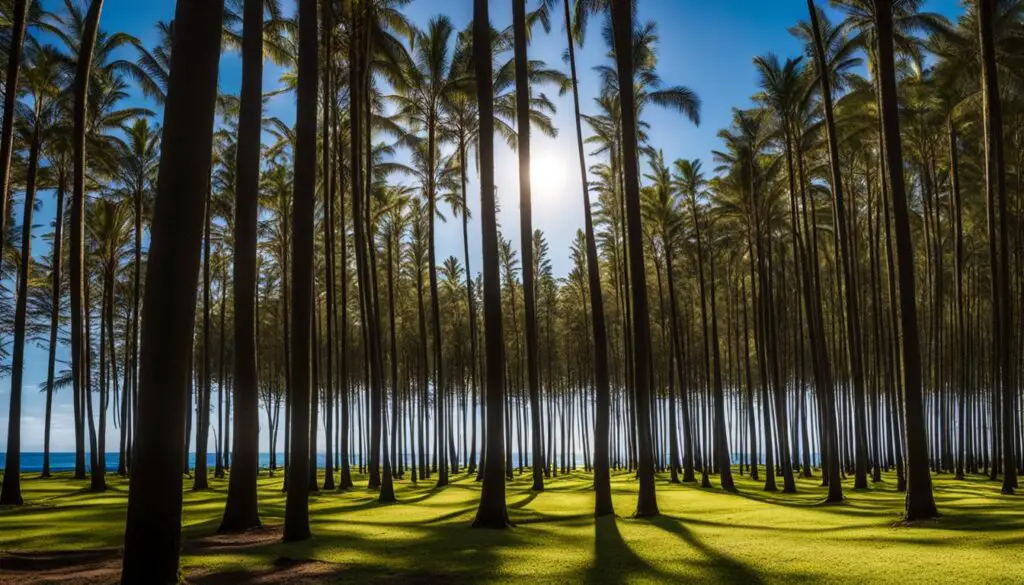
(153,528)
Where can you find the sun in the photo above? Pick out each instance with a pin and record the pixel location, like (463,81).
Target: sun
(547,173)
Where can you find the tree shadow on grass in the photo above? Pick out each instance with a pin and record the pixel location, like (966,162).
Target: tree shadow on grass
(725,568)
(614,561)
(531,496)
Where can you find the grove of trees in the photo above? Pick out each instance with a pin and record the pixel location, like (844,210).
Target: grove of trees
(836,293)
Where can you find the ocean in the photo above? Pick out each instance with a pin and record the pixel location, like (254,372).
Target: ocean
(66,461)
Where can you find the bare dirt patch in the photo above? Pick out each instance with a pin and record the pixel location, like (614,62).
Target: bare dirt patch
(73,567)
(235,540)
(284,572)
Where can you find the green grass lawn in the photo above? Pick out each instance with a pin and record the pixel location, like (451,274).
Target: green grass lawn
(702,535)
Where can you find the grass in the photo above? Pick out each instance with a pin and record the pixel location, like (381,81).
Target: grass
(701,536)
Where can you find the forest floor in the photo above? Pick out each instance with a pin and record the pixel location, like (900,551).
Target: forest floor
(66,534)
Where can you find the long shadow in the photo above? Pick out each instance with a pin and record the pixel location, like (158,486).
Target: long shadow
(614,561)
(726,568)
(525,501)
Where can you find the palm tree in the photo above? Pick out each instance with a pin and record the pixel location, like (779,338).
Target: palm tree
(999,245)
(851,298)
(622,19)
(153,69)
(153,528)
(526,233)
(241,511)
(43,83)
(785,90)
(492,512)
(58,164)
(602,386)
(19,22)
(430,80)
(920,503)
(297,505)
(139,156)
(83,74)
(108,225)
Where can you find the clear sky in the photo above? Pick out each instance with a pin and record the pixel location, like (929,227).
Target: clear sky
(706,45)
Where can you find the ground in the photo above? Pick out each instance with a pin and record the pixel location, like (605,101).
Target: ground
(66,534)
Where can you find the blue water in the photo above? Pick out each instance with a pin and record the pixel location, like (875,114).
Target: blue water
(66,461)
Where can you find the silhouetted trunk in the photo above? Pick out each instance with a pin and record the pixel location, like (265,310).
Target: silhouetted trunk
(998,242)
(622,19)
(153,529)
(205,389)
(920,503)
(850,295)
(83,69)
(241,511)
(492,512)
(57,257)
(19,22)
(526,237)
(10,492)
(296,519)
(328,188)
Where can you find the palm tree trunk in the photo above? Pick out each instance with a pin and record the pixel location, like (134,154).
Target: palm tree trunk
(153,529)
(920,503)
(81,90)
(327,32)
(492,512)
(296,521)
(206,390)
(998,243)
(10,493)
(622,18)
(19,22)
(526,236)
(55,298)
(241,511)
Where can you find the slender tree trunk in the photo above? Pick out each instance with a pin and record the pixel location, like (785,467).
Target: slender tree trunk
(153,529)
(920,503)
(296,520)
(79,350)
(241,511)
(10,493)
(19,23)
(492,512)
(55,298)
(998,246)
(622,10)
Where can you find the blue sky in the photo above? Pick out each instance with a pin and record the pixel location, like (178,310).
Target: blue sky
(706,45)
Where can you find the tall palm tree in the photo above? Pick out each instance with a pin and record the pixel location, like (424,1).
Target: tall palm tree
(428,82)
(139,157)
(19,23)
(692,183)
(108,226)
(998,240)
(296,521)
(493,511)
(153,528)
(59,167)
(920,503)
(850,296)
(602,385)
(83,75)
(241,511)
(689,181)
(43,84)
(785,90)
(622,20)
(526,234)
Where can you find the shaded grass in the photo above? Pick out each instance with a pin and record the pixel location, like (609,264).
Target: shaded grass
(703,535)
